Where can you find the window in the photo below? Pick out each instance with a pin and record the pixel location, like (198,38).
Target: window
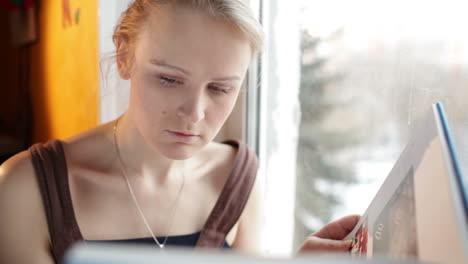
(341,85)
(114,92)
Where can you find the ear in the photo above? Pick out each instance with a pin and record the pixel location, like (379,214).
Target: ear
(123,59)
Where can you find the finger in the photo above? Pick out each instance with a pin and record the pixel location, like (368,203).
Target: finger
(316,244)
(338,229)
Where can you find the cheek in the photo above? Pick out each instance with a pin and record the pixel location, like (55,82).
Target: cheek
(151,99)
(222,112)
(155,106)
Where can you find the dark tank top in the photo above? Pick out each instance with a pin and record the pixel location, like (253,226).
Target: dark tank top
(189,240)
(52,175)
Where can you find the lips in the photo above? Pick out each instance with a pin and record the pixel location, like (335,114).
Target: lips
(183,137)
(184,134)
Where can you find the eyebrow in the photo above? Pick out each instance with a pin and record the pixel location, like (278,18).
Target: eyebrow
(167,65)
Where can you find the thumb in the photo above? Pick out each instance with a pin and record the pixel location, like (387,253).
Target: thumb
(316,244)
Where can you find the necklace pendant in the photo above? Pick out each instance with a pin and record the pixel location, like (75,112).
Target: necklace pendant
(161,246)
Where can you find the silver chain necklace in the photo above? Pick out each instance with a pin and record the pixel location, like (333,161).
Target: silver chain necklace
(132,193)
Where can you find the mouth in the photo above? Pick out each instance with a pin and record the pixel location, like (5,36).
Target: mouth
(183,134)
(185,137)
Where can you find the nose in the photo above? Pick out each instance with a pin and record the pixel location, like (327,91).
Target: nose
(193,108)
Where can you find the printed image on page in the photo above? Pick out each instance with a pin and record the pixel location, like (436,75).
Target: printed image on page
(359,244)
(394,231)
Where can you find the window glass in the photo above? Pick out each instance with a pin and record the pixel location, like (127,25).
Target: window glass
(368,70)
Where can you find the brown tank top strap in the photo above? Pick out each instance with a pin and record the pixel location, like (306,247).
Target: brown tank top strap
(52,176)
(233,198)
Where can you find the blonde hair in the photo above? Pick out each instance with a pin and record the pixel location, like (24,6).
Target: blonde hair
(235,11)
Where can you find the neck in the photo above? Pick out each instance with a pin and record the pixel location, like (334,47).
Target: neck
(140,159)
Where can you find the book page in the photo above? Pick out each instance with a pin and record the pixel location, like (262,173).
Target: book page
(414,214)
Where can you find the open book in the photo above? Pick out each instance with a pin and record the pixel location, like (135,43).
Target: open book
(421,210)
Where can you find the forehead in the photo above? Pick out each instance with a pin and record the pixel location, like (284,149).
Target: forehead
(192,38)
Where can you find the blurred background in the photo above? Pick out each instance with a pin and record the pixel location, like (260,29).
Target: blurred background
(329,104)
(49,71)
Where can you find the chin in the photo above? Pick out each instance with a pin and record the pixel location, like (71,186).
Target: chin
(179,151)
(179,155)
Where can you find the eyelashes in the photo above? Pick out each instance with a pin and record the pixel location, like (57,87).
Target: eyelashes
(170,82)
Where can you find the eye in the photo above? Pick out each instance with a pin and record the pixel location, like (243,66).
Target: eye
(218,90)
(169,82)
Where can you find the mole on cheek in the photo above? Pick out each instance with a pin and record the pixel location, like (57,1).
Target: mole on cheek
(164,113)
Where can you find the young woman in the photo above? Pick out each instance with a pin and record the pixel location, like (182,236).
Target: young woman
(154,175)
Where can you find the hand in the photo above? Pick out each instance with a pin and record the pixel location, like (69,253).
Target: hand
(329,238)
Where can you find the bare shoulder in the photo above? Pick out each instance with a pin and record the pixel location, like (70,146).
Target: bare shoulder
(21,208)
(222,155)
(16,174)
(90,147)
(19,192)
(91,136)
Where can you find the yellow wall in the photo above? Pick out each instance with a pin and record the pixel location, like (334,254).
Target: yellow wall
(65,71)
